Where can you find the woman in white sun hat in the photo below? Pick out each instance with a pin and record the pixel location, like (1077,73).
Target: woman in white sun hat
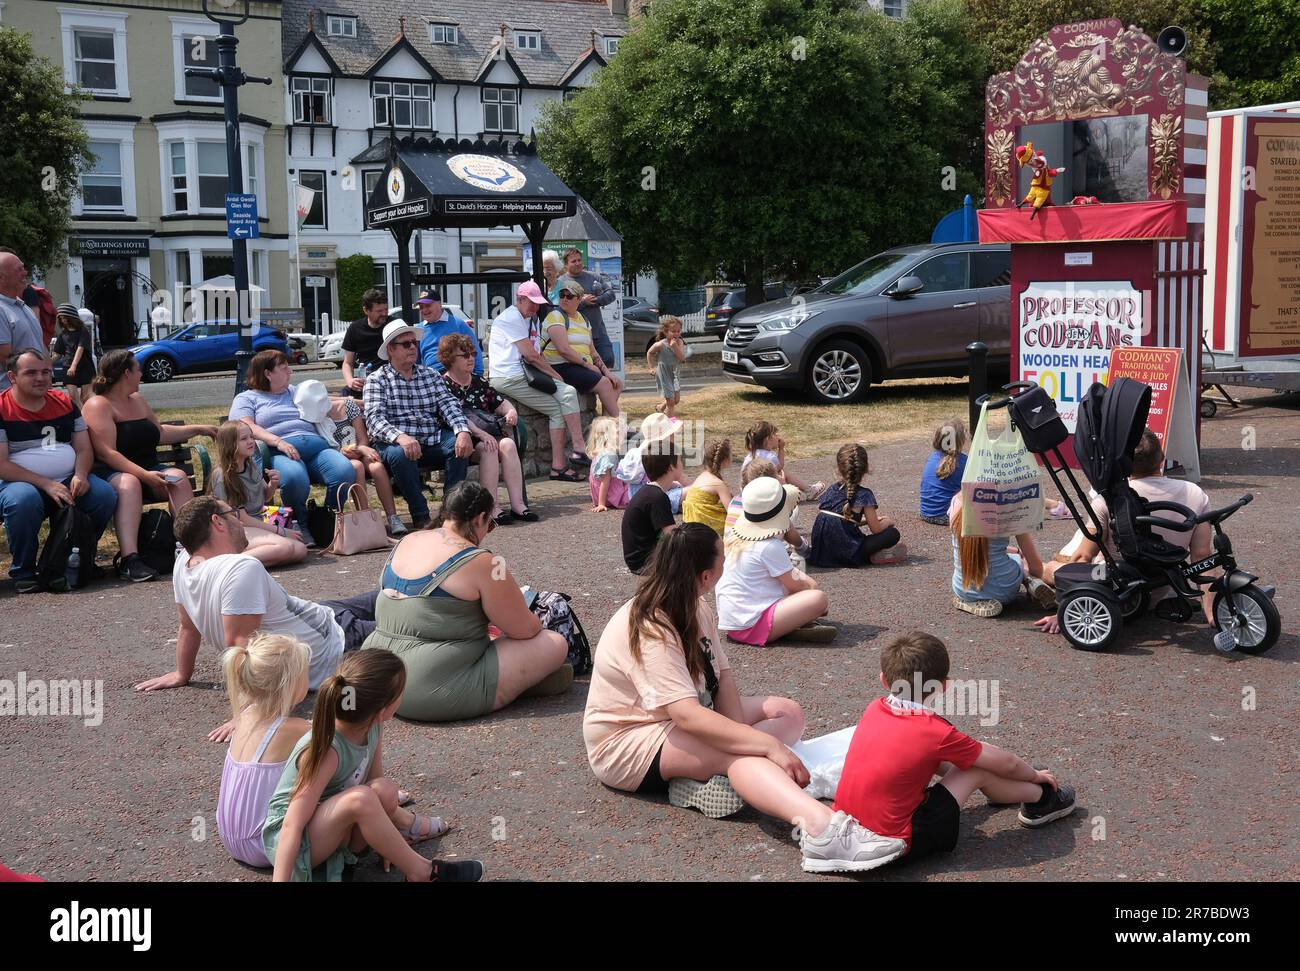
(761,595)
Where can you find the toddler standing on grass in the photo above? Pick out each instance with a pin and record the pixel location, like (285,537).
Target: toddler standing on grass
(666,355)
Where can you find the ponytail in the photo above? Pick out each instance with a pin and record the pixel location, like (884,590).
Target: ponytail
(323,723)
(950,440)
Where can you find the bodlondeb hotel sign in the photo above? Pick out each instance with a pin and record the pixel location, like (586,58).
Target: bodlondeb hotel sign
(1067,332)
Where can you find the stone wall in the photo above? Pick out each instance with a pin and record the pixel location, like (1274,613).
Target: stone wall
(537,460)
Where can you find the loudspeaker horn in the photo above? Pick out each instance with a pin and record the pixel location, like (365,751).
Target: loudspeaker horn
(1172,40)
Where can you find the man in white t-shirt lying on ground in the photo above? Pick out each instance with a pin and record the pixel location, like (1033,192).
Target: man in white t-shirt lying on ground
(223,596)
(1149,481)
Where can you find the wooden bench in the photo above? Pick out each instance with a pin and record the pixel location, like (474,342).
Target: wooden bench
(180,455)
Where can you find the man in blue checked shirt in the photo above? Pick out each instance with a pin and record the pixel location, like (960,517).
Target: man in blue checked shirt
(414,421)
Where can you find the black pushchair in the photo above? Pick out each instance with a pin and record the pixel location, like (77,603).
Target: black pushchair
(1093,600)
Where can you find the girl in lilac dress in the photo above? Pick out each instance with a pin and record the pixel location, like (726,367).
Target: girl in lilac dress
(266,678)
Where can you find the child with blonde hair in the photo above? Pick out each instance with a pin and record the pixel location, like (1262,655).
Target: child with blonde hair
(941,478)
(239,480)
(333,798)
(265,679)
(608,491)
(849,531)
(707,499)
(754,470)
(666,355)
(763,442)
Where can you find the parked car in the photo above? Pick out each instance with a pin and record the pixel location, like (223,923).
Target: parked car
(724,306)
(635,308)
(331,346)
(207,346)
(906,312)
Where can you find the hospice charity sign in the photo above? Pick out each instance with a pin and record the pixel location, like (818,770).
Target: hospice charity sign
(1067,333)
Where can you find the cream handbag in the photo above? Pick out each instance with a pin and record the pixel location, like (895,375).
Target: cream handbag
(358,531)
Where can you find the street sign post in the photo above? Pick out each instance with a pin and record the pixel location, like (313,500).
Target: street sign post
(241,215)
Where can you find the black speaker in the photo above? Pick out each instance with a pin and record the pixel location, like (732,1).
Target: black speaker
(1172,40)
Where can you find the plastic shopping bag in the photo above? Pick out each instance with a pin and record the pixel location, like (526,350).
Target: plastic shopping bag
(824,758)
(1002,487)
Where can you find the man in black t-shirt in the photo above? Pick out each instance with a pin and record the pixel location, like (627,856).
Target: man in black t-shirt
(649,513)
(361,342)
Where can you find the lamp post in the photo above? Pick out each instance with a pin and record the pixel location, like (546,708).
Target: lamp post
(227,15)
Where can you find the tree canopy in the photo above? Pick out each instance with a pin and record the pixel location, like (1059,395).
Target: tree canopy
(774,137)
(45,149)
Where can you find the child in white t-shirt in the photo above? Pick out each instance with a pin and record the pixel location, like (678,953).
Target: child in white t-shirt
(763,442)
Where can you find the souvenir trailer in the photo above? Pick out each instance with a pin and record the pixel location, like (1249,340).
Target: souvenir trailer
(1252,280)
(1114,257)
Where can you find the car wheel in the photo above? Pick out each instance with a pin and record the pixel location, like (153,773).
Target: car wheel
(159,369)
(840,374)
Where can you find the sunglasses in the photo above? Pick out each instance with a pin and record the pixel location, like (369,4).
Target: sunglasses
(410,343)
(569,295)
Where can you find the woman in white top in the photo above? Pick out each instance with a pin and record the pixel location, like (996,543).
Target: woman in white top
(761,595)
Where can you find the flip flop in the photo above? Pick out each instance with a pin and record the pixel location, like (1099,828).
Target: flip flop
(413,833)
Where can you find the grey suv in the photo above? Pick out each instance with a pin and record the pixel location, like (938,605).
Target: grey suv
(906,312)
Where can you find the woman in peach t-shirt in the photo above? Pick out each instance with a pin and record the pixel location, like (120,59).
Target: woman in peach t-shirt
(664,713)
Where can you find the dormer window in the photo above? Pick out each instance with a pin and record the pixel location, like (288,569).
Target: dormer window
(336,26)
(444,34)
(528,40)
(611,46)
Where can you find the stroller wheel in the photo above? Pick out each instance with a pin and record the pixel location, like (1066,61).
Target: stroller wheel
(1257,625)
(1089,619)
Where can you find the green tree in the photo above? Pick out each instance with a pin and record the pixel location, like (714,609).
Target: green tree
(356,276)
(45,148)
(792,137)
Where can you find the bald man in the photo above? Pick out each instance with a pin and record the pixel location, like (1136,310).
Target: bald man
(19,329)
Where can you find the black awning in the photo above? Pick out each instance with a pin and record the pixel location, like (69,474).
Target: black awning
(436,184)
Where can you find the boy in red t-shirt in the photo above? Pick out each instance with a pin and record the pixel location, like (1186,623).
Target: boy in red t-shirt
(900,745)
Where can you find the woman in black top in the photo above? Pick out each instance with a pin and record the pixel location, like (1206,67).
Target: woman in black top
(495,446)
(73,344)
(126,434)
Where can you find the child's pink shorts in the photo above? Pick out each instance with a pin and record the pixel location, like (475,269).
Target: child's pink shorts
(759,632)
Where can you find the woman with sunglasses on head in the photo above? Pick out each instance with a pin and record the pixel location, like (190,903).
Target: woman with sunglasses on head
(568,348)
(441,589)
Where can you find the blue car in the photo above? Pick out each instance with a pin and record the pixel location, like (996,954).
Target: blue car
(208,346)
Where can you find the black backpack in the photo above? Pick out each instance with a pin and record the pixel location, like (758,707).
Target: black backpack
(157,541)
(69,528)
(558,615)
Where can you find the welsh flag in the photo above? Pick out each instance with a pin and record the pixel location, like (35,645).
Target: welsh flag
(304,198)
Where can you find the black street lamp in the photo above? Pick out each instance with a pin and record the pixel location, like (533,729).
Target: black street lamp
(227,15)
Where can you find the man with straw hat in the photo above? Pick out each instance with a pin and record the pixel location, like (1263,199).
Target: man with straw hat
(761,596)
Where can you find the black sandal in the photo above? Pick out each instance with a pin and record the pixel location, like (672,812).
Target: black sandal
(579,458)
(527,516)
(566,474)
(504,518)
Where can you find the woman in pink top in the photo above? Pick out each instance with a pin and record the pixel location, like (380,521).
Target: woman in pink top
(266,678)
(664,713)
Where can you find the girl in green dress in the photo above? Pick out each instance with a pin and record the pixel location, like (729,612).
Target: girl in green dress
(333,799)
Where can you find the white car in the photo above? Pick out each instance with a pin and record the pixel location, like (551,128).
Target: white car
(331,346)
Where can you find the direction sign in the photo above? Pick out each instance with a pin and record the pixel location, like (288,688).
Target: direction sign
(241,215)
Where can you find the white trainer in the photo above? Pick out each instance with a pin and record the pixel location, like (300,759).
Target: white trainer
(846,846)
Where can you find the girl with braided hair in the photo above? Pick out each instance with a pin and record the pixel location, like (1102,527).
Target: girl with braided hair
(707,499)
(848,530)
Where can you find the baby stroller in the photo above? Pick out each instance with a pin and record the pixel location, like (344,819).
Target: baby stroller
(1093,600)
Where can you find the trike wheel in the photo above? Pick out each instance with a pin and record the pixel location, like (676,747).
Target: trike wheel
(1089,620)
(1258,623)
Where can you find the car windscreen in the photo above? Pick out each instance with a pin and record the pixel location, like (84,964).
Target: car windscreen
(868,276)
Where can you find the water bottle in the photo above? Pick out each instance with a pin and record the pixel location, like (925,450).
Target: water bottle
(71,573)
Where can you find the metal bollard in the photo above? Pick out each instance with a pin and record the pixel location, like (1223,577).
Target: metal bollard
(979,378)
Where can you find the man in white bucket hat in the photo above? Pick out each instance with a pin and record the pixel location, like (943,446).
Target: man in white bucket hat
(761,595)
(413,420)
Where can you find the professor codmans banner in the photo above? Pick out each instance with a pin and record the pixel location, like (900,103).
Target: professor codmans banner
(1067,332)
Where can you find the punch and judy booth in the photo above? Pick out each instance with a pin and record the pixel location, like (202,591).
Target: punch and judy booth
(1106,130)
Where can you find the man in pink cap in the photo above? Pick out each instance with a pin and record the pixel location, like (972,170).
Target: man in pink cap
(511,344)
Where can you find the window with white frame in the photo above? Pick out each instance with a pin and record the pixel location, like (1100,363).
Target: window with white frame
(501,109)
(336,26)
(444,34)
(194,168)
(311,100)
(101,183)
(528,40)
(315,180)
(611,46)
(894,8)
(251,180)
(178,178)
(94,51)
(403,104)
(210,173)
(199,50)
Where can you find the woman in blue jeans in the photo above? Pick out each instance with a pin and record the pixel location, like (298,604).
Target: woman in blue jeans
(299,453)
